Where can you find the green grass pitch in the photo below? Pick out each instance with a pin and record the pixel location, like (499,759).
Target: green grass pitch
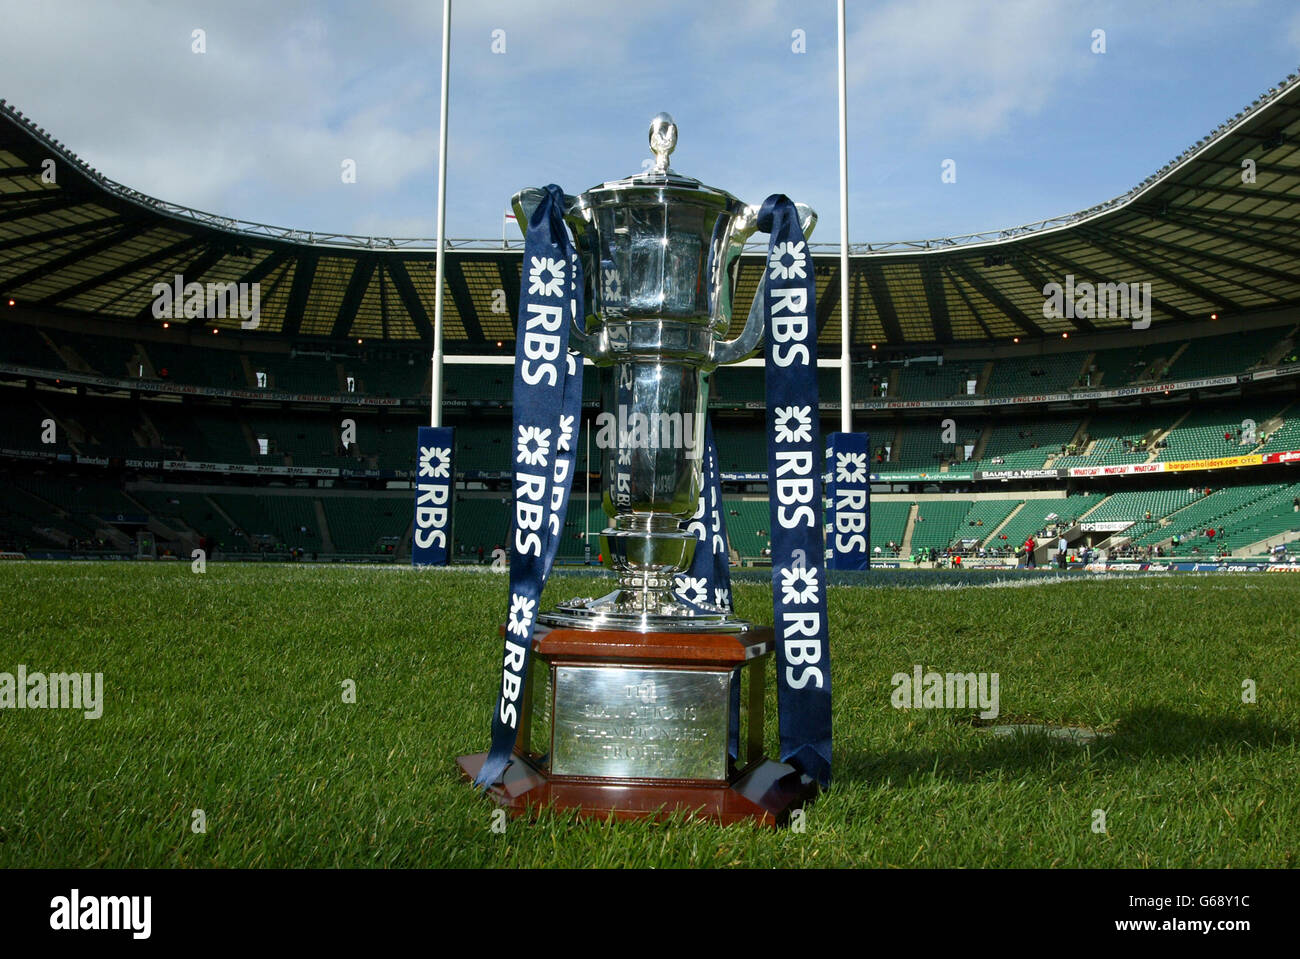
(223,692)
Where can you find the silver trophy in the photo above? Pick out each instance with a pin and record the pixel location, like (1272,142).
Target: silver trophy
(660,252)
(645,705)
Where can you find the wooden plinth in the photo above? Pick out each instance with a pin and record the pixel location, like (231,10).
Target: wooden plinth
(627,648)
(766,795)
(756,790)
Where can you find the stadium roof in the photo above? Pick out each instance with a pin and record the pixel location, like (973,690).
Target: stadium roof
(1206,239)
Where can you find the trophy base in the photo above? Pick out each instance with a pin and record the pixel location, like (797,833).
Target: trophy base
(647,724)
(765,795)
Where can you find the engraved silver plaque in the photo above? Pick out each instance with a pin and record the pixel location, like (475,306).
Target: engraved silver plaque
(629,723)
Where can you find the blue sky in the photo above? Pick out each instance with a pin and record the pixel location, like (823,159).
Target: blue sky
(257,127)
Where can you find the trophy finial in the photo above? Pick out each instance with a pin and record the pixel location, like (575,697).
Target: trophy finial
(663,140)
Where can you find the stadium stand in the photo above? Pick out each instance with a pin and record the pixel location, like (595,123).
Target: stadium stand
(1245,509)
(307,441)
(1272,514)
(1286,436)
(299,372)
(482,523)
(482,445)
(921,446)
(189,389)
(927,381)
(1119,367)
(740,446)
(181,510)
(944,523)
(936,523)
(87,501)
(272,522)
(1023,376)
(1135,505)
(1210,433)
(480,382)
(182,363)
(108,355)
(888,523)
(322,370)
(1034,515)
(737,385)
(27,520)
(25,345)
(1027,443)
(1112,439)
(749,527)
(398,375)
(1222,355)
(984,517)
(573,543)
(361,525)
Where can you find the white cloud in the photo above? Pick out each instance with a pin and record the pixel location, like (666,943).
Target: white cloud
(961,69)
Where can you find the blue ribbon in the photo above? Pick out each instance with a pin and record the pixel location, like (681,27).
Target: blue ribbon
(708,580)
(794,470)
(794,475)
(547,403)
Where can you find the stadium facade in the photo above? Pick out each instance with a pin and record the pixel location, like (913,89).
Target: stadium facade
(1124,376)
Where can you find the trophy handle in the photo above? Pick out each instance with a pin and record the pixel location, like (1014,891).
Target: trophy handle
(751,337)
(525,203)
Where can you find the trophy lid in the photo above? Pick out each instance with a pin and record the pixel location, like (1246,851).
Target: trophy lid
(657,174)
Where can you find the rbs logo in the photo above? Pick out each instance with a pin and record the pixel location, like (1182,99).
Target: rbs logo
(433,498)
(848,500)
